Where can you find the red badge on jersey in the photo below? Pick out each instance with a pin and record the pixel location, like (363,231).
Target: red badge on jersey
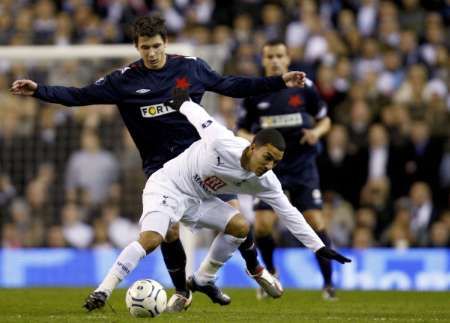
(214,183)
(295,101)
(182,83)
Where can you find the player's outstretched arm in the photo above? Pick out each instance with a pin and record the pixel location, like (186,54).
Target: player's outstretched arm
(103,91)
(208,129)
(331,254)
(23,87)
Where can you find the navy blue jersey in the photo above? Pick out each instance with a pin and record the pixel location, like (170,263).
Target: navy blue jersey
(289,110)
(140,93)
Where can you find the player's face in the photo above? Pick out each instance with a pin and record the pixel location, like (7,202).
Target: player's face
(263,158)
(275,60)
(152,51)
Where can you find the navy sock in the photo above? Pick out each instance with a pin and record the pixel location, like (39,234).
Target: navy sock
(325,264)
(249,253)
(266,246)
(175,259)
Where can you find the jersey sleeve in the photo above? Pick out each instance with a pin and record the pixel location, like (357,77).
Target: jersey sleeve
(235,86)
(209,129)
(291,217)
(103,91)
(317,107)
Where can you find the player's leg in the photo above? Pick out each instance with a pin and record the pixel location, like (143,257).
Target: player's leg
(265,220)
(316,221)
(269,284)
(175,259)
(153,228)
(247,248)
(308,199)
(220,216)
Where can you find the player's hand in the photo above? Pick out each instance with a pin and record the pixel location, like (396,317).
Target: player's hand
(23,87)
(309,136)
(330,254)
(294,79)
(179,96)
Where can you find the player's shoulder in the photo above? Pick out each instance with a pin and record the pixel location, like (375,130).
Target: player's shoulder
(230,143)
(127,70)
(177,58)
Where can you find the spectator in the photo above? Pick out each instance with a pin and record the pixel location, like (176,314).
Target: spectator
(423,212)
(423,155)
(76,233)
(92,168)
(439,235)
(335,164)
(55,237)
(362,238)
(121,231)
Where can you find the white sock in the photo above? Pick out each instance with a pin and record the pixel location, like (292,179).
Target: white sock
(124,264)
(222,248)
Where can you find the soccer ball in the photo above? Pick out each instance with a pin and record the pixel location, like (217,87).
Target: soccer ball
(146,298)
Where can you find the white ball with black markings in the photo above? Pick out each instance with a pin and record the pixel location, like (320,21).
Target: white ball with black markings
(146,298)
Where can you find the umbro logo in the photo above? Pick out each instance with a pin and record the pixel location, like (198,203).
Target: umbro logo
(263,105)
(143,91)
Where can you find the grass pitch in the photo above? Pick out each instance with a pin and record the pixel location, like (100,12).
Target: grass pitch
(64,305)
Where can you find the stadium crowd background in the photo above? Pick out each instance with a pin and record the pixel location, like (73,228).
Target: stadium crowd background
(72,177)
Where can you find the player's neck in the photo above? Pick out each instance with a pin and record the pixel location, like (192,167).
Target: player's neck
(161,65)
(245,159)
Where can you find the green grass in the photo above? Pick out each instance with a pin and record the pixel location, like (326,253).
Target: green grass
(64,305)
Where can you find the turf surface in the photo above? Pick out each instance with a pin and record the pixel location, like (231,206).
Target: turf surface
(64,305)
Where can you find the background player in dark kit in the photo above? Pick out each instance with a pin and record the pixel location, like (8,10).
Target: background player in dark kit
(301,116)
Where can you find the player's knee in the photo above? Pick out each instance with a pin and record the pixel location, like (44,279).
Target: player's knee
(315,220)
(262,229)
(150,240)
(238,227)
(264,222)
(173,233)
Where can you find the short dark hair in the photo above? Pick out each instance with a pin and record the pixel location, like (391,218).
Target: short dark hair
(270,136)
(149,26)
(274,42)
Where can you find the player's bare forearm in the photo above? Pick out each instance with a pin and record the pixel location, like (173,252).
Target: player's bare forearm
(312,136)
(322,127)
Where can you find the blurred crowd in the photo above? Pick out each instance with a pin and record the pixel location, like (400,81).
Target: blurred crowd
(72,177)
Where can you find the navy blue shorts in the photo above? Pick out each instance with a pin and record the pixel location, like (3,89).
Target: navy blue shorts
(304,198)
(227,197)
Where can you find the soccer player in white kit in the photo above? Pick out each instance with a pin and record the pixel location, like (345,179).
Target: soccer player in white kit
(185,190)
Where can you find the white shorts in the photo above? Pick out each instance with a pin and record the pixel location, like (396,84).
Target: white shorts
(164,205)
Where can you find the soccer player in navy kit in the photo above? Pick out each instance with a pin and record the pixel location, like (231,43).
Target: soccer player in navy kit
(139,90)
(301,116)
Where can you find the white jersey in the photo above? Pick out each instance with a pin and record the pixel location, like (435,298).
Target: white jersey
(212,166)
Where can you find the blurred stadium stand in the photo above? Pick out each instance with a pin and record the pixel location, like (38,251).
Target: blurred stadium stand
(382,67)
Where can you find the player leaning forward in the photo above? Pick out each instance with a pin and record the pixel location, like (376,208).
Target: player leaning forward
(186,188)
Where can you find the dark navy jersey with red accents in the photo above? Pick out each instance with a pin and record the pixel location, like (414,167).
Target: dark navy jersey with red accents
(289,110)
(158,131)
